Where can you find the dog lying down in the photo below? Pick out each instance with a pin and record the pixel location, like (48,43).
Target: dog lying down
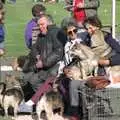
(10,94)
(49,102)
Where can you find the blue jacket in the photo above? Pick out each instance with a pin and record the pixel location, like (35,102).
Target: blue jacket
(2,33)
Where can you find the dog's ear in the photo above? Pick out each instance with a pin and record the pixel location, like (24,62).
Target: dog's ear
(2,87)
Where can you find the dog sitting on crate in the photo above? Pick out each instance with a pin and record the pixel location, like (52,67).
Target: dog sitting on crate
(11,94)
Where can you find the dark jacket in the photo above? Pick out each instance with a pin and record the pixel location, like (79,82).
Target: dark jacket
(115,58)
(48,47)
(91,7)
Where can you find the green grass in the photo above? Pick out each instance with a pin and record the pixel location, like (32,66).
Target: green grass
(17,15)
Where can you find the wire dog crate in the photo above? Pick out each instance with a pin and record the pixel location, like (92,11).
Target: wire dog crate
(103,104)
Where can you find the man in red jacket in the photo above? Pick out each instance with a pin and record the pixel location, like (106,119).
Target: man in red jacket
(83,9)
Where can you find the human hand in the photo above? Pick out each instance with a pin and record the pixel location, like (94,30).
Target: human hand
(103,62)
(39,63)
(37,57)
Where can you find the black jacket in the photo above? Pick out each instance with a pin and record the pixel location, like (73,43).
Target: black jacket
(49,47)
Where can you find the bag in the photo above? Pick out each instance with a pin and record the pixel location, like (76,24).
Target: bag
(97,82)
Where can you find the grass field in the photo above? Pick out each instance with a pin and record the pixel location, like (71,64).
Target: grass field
(17,15)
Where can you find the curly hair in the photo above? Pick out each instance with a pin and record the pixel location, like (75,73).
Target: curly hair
(37,9)
(95,21)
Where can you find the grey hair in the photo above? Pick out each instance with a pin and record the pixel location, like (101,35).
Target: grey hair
(48,17)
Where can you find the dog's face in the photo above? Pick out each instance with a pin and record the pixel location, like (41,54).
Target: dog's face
(77,51)
(82,51)
(73,72)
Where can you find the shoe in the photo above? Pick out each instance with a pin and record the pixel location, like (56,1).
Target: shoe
(25,108)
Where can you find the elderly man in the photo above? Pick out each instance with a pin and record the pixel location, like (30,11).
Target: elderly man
(43,60)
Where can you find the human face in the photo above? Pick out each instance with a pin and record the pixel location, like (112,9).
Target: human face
(91,29)
(72,32)
(43,23)
(2,14)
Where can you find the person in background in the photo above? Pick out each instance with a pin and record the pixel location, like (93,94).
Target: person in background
(32,29)
(83,9)
(2,32)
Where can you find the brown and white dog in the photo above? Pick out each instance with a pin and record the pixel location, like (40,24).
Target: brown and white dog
(49,102)
(11,94)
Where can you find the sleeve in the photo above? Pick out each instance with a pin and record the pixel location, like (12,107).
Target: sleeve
(91,4)
(56,54)
(115,60)
(28,35)
(97,43)
(35,49)
(112,42)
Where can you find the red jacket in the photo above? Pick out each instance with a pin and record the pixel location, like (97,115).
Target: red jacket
(78,14)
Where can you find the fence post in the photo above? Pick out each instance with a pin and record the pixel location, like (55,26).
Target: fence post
(113,17)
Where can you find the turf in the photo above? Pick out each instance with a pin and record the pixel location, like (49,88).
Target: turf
(17,15)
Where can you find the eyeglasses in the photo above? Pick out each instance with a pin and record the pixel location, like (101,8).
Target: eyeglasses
(71,32)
